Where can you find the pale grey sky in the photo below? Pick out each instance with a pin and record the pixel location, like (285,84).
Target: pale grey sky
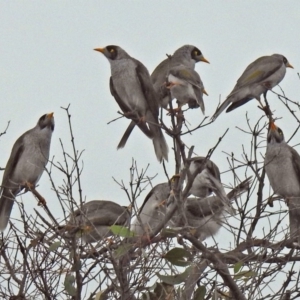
(47,61)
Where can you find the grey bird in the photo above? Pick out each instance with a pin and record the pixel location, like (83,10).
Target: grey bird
(260,76)
(186,86)
(153,210)
(188,56)
(282,164)
(96,217)
(207,179)
(131,86)
(205,216)
(26,164)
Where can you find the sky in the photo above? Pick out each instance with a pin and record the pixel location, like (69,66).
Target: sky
(47,62)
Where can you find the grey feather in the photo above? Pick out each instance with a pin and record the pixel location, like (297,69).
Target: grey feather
(206,215)
(187,55)
(153,210)
(99,215)
(282,164)
(260,76)
(186,86)
(132,88)
(26,164)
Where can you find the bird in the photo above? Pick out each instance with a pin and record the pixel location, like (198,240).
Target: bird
(207,179)
(26,164)
(131,86)
(95,218)
(282,165)
(188,56)
(153,210)
(186,86)
(206,215)
(260,76)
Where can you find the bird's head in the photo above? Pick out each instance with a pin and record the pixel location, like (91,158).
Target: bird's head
(189,52)
(284,59)
(46,120)
(113,52)
(275,134)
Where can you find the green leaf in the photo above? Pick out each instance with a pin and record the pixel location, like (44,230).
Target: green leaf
(54,246)
(121,250)
(176,279)
(246,274)
(237,266)
(69,281)
(121,231)
(178,257)
(200,293)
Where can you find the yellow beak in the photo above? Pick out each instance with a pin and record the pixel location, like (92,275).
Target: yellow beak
(204,60)
(100,50)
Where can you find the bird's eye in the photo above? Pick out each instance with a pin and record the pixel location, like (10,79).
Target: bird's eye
(112,50)
(196,52)
(285,60)
(279,131)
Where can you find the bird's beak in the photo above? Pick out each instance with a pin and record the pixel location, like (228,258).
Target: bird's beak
(100,50)
(204,92)
(49,116)
(288,65)
(273,126)
(202,58)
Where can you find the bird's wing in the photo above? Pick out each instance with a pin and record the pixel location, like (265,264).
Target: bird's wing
(157,190)
(14,158)
(147,88)
(204,162)
(100,212)
(259,70)
(188,75)
(119,100)
(296,163)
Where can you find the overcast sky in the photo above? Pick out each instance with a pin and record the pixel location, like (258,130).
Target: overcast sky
(47,61)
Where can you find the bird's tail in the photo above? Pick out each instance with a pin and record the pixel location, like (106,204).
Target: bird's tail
(294,214)
(221,108)
(239,189)
(128,131)
(160,145)
(6,204)
(126,135)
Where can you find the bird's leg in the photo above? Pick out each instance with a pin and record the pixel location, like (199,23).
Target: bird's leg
(31,187)
(265,108)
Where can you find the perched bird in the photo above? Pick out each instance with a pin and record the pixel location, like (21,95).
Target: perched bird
(153,210)
(282,164)
(188,56)
(260,76)
(206,215)
(26,164)
(131,86)
(96,217)
(207,179)
(186,86)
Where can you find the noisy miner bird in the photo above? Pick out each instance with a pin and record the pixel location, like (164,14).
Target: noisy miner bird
(96,217)
(260,76)
(282,164)
(153,210)
(188,56)
(206,215)
(207,179)
(26,164)
(186,86)
(131,86)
